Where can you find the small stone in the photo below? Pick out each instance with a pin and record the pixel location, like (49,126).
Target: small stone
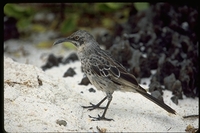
(70,72)
(71,57)
(157,95)
(92,90)
(51,61)
(84,81)
(161,59)
(145,67)
(166,69)
(61,122)
(39,81)
(144,83)
(175,99)
(168,81)
(155,86)
(177,89)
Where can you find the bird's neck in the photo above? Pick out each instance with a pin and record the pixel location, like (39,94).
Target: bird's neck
(86,52)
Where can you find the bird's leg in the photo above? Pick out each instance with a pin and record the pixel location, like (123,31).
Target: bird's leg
(93,106)
(109,96)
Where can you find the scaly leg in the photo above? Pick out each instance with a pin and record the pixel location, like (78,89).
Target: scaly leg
(93,106)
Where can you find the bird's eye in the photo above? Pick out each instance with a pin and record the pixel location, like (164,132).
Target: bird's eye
(76,37)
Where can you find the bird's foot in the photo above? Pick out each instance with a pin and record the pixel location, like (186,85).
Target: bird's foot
(100,118)
(93,106)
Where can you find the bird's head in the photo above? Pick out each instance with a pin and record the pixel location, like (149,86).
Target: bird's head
(78,38)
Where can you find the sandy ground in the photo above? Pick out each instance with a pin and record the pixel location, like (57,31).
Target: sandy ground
(38,101)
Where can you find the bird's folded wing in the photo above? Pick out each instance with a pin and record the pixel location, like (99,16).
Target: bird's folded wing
(115,72)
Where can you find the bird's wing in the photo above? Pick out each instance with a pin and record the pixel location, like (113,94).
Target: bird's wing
(106,67)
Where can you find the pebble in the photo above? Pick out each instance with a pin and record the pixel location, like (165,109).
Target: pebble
(70,72)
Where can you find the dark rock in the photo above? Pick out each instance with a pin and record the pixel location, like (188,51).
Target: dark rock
(136,72)
(177,89)
(84,81)
(157,95)
(39,81)
(175,28)
(118,29)
(145,67)
(144,83)
(152,60)
(135,63)
(60,59)
(72,57)
(51,61)
(175,99)
(169,81)
(70,72)
(61,122)
(188,77)
(155,86)
(105,39)
(185,44)
(166,69)
(161,60)
(92,90)
(122,52)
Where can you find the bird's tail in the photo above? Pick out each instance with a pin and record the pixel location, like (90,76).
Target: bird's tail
(156,101)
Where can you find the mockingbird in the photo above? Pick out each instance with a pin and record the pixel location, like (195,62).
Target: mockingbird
(105,73)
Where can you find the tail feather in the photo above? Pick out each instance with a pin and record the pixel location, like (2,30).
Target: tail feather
(158,102)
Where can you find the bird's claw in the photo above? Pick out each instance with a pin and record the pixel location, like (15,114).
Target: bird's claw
(99,118)
(93,106)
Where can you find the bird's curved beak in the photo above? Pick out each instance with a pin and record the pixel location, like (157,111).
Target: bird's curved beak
(62,40)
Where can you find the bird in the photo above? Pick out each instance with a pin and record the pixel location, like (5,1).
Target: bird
(105,73)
